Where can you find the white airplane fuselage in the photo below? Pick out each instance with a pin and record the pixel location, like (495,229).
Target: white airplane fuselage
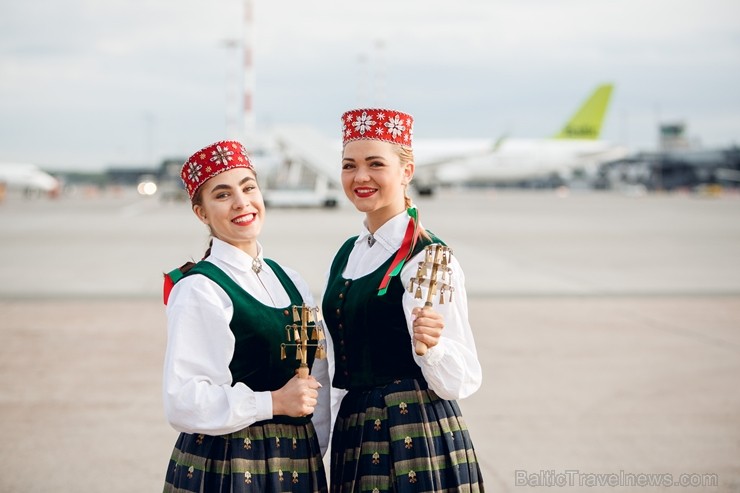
(27,177)
(518,160)
(574,151)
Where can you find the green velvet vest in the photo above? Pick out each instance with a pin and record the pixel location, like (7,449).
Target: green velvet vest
(372,345)
(259,331)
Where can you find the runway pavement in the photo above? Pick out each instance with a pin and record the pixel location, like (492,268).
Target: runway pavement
(608,328)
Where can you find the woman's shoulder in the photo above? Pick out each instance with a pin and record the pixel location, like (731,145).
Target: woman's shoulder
(198,276)
(196,284)
(430,238)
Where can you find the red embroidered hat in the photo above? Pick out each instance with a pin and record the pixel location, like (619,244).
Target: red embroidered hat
(212,160)
(378,124)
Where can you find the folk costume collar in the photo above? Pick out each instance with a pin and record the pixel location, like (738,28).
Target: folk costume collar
(236,257)
(398,235)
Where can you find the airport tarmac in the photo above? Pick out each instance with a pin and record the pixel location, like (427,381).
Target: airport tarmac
(608,327)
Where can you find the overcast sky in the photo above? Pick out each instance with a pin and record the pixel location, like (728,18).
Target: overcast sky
(87,84)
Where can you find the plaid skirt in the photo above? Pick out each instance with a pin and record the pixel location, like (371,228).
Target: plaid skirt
(402,438)
(264,457)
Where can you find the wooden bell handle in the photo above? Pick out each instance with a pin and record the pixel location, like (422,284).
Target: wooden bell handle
(419,347)
(302,371)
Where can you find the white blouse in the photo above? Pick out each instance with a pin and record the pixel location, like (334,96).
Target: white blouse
(198,392)
(451,368)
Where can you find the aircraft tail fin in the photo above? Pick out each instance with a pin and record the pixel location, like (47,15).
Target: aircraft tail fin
(586,123)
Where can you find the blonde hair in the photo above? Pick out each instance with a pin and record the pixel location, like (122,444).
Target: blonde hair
(406,154)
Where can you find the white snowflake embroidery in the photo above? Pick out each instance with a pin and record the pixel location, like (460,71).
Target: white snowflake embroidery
(395,126)
(240,148)
(363,123)
(193,171)
(222,155)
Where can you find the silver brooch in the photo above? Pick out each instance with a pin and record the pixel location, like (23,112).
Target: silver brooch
(256,265)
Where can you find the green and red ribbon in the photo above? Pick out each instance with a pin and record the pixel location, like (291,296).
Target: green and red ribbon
(404,253)
(169,282)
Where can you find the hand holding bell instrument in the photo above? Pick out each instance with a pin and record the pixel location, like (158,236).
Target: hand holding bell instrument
(434,275)
(305,318)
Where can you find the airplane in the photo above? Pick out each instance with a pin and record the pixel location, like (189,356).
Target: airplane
(574,151)
(301,165)
(28,178)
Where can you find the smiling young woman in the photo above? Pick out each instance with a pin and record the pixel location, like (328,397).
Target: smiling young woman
(398,426)
(246,421)
(231,205)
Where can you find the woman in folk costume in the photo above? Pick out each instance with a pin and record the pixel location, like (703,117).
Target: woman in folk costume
(244,415)
(398,427)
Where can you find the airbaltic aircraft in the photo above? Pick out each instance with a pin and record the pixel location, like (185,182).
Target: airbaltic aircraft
(574,150)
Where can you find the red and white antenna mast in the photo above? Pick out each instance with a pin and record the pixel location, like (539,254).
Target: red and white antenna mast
(249,78)
(233,114)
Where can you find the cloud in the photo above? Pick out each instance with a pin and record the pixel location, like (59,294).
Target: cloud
(88,83)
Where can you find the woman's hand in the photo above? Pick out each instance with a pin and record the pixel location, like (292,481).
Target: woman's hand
(296,398)
(428,325)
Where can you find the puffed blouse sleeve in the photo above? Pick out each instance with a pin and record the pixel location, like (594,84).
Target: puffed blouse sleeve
(451,368)
(198,392)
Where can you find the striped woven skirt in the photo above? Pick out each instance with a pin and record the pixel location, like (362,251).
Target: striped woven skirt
(264,457)
(402,438)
